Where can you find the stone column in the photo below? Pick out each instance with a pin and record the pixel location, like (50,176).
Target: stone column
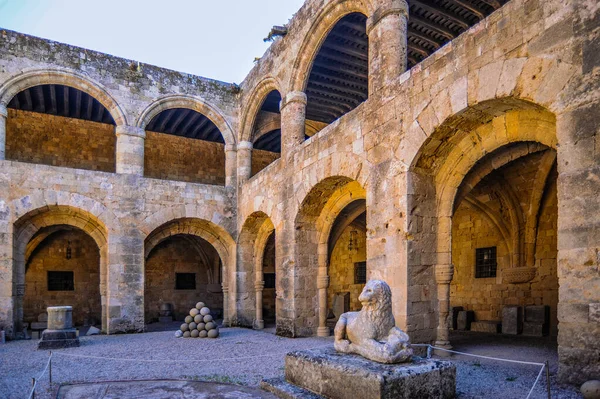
(226,321)
(259,323)
(322,284)
(443,277)
(230,165)
(3,116)
(130,150)
(293,118)
(244,161)
(387,29)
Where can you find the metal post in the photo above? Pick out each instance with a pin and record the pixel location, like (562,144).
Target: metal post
(548,378)
(50,368)
(33,387)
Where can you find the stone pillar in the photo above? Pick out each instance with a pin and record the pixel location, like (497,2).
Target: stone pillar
(322,285)
(130,150)
(293,117)
(443,277)
(3,116)
(226,321)
(259,323)
(387,29)
(230,165)
(244,161)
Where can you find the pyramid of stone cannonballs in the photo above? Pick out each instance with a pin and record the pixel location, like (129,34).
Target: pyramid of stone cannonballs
(198,324)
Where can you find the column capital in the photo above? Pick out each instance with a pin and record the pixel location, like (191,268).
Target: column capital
(398,7)
(245,145)
(230,147)
(224,288)
(3,111)
(444,274)
(134,131)
(293,97)
(322,282)
(259,285)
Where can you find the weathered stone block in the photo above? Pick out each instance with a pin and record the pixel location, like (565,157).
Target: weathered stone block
(334,375)
(512,320)
(60,317)
(487,326)
(465,318)
(58,339)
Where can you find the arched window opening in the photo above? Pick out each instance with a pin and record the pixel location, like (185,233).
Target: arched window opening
(60,126)
(266,133)
(183,144)
(338,80)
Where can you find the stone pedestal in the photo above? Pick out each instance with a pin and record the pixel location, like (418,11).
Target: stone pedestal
(511,320)
(60,332)
(536,321)
(327,373)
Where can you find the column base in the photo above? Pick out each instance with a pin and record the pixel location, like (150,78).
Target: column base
(323,332)
(258,324)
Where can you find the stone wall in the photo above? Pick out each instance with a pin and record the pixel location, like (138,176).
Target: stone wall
(50,255)
(58,141)
(172,157)
(178,255)
(341,267)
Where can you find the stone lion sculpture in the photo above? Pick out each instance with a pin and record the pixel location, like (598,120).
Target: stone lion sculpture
(372,332)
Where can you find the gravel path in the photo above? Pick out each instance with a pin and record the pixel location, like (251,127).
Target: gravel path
(243,356)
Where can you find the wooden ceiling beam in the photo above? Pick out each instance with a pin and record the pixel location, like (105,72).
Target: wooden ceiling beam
(183,113)
(348,98)
(340,69)
(441,30)
(39,93)
(339,88)
(198,127)
(470,8)
(350,38)
(77,104)
(418,49)
(66,101)
(164,120)
(415,33)
(28,100)
(363,55)
(350,84)
(436,10)
(89,108)
(53,107)
(495,4)
(354,63)
(190,122)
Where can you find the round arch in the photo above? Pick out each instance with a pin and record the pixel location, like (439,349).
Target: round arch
(208,231)
(189,102)
(255,101)
(32,222)
(252,241)
(314,221)
(443,162)
(316,35)
(67,78)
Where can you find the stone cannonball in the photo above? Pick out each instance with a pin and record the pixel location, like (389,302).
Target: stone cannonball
(213,333)
(189,319)
(200,326)
(204,311)
(192,326)
(200,305)
(184,327)
(178,334)
(208,318)
(194,334)
(186,334)
(199,318)
(210,326)
(203,334)
(591,389)
(193,312)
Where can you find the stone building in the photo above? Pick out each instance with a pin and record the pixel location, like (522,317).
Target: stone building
(451,148)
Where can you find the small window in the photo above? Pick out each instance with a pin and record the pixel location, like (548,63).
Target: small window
(360,273)
(185,281)
(269,280)
(485,262)
(61,281)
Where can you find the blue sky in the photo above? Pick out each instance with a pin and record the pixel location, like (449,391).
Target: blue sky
(217,39)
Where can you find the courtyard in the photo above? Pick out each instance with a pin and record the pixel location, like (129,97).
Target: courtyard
(244,357)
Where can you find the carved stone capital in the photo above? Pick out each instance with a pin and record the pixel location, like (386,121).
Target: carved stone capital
(225,289)
(322,282)
(259,285)
(444,274)
(398,7)
(134,131)
(244,146)
(293,97)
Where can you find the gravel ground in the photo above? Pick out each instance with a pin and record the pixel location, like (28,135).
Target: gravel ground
(245,357)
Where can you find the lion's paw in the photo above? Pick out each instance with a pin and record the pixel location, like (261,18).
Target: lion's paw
(342,345)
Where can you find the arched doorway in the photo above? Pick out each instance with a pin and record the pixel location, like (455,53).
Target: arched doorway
(266,133)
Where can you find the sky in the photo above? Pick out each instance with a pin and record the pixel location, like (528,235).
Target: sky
(217,39)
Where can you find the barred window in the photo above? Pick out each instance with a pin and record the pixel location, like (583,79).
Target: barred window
(185,281)
(485,262)
(360,273)
(61,281)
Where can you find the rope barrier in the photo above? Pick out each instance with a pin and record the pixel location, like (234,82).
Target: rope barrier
(429,350)
(35,380)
